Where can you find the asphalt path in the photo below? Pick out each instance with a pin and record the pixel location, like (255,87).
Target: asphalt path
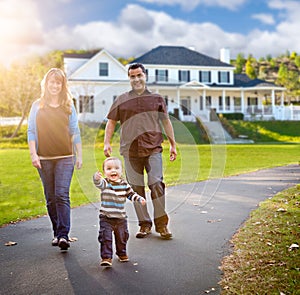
(203,218)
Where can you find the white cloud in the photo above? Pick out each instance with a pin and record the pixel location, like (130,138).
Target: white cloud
(267,19)
(192,4)
(20,29)
(138,30)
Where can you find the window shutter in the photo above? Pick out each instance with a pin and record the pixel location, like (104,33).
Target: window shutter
(200,76)
(179,75)
(228,77)
(188,76)
(166,75)
(156,75)
(209,77)
(219,77)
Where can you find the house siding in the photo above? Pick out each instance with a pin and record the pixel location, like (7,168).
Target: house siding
(200,97)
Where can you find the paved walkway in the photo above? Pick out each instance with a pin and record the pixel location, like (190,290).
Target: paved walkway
(204,216)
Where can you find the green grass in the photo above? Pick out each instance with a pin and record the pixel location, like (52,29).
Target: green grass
(21,194)
(268,131)
(262,261)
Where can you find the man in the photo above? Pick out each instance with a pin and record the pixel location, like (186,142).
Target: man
(141,114)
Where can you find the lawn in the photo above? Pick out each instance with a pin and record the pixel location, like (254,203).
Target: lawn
(262,261)
(265,258)
(21,194)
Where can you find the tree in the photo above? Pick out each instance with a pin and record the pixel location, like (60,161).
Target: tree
(20,84)
(23,88)
(250,70)
(239,63)
(297,61)
(262,73)
(269,57)
(289,79)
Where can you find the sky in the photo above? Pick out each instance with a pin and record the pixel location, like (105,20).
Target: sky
(131,28)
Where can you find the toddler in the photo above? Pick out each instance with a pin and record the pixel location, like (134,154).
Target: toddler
(114,191)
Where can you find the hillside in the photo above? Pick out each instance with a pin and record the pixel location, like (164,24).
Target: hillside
(283,70)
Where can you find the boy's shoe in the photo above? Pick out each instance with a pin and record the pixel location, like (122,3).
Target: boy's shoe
(106,262)
(145,230)
(123,258)
(54,241)
(164,233)
(63,244)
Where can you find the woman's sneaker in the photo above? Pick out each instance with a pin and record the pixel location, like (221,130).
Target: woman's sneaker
(54,241)
(63,244)
(106,262)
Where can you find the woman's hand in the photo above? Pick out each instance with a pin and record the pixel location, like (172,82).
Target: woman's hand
(35,160)
(78,162)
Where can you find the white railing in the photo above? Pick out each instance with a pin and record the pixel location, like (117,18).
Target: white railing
(10,121)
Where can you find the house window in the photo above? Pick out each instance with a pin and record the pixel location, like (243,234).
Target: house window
(220,103)
(86,104)
(252,101)
(184,76)
(237,102)
(166,100)
(186,106)
(204,76)
(208,101)
(161,75)
(227,102)
(223,77)
(103,69)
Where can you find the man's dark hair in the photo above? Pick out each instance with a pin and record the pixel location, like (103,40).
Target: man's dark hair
(136,66)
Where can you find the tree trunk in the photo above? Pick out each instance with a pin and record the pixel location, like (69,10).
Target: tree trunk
(26,108)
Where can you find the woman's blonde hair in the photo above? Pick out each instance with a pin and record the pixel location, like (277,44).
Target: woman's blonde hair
(65,98)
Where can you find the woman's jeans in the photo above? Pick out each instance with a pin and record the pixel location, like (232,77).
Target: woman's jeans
(56,177)
(135,167)
(120,229)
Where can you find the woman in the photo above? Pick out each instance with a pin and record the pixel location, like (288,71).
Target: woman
(55,146)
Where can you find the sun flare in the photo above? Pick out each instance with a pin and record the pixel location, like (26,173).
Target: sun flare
(20,28)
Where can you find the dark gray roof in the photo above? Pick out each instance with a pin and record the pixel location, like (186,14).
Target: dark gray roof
(242,80)
(86,55)
(178,55)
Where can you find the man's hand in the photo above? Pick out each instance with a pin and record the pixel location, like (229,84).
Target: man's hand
(173,153)
(107,150)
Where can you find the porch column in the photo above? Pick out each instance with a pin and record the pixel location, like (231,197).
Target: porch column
(178,97)
(273,102)
(282,99)
(242,102)
(178,102)
(204,99)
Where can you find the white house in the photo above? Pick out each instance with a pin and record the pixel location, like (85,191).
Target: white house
(192,84)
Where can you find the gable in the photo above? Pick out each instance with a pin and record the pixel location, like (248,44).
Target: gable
(89,69)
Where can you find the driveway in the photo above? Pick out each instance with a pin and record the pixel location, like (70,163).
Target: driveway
(203,218)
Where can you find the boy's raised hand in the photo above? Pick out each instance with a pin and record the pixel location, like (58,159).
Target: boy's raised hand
(97,175)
